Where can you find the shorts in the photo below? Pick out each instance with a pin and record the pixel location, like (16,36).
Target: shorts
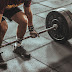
(10,12)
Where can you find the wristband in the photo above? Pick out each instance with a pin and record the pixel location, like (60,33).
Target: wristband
(31,28)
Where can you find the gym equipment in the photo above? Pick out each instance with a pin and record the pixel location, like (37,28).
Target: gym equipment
(58,25)
(63,18)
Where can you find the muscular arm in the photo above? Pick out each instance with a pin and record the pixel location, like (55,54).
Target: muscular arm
(29,15)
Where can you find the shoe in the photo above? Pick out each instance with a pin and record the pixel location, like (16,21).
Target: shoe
(22,52)
(3,65)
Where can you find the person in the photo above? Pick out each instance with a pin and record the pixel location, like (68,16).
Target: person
(10,9)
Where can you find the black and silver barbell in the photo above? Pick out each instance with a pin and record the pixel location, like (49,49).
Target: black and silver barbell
(58,25)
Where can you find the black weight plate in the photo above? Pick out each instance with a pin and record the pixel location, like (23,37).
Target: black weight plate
(59,17)
(69,14)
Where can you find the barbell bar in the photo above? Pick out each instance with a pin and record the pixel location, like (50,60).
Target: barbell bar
(53,27)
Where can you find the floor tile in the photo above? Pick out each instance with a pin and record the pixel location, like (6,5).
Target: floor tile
(38,21)
(37,8)
(55,3)
(7,53)
(12,27)
(38,0)
(44,14)
(69,7)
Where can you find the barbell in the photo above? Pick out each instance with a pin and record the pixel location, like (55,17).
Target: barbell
(58,25)
(53,27)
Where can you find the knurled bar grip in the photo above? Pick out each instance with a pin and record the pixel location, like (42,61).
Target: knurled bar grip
(53,27)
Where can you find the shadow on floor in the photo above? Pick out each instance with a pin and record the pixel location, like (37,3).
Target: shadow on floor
(44,70)
(65,63)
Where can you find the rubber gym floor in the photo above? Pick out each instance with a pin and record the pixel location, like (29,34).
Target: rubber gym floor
(46,54)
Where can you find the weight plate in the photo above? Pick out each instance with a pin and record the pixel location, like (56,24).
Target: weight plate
(69,22)
(62,19)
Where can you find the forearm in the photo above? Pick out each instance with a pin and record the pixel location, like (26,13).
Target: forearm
(0,20)
(29,15)
(30,19)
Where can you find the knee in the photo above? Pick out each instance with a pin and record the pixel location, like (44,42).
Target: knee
(4,29)
(4,26)
(24,22)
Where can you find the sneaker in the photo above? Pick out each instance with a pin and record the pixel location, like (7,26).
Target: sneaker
(3,65)
(22,52)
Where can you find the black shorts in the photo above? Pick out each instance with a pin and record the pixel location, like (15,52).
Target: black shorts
(10,12)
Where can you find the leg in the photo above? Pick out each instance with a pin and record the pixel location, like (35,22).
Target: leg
(4,28)
(22,21)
